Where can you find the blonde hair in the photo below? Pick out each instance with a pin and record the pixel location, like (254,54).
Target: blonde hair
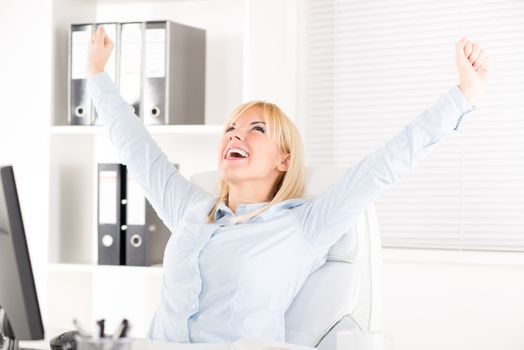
(287,138)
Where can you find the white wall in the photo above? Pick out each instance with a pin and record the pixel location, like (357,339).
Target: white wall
(270,53)
(453,300)
(25,97)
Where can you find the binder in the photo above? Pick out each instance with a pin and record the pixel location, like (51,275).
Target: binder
(159,68)
(145,234)
(136,235)
(130,67)
(158,236)
(80,109)
(174,74)
(112,31)
(111,213)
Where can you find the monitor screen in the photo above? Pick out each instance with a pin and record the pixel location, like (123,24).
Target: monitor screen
(18,297)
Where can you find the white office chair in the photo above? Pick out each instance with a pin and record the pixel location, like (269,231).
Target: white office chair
(344,294)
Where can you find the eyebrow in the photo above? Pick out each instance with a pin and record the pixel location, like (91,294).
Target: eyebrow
(259,122)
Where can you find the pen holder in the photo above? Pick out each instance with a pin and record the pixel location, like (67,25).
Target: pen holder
(90,343)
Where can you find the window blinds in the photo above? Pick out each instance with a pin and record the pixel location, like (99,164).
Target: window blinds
(369,67)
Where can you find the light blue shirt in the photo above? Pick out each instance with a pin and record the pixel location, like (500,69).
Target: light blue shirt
(226,281)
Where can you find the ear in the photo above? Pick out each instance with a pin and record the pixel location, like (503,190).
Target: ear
(284,163)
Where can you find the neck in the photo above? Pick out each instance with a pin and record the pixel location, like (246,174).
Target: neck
(248,193)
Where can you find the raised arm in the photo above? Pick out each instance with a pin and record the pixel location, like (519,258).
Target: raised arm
(326,218)
(167,191)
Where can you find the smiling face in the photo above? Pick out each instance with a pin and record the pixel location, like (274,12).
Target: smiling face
(260,158)
(247,151)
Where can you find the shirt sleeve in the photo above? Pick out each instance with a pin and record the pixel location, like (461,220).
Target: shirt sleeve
(169,193)
(327,217)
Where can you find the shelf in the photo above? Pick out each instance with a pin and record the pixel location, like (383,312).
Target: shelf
(55,267)
(125,2)
(153,129)
(90,268)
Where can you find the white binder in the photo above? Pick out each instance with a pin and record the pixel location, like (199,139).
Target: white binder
(112,31)
(174,74)
(80,109)
(130,68)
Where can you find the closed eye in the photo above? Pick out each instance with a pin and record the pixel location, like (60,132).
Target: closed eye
(259,128)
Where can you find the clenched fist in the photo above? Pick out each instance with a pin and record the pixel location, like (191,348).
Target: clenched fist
(100,48)
(473,68)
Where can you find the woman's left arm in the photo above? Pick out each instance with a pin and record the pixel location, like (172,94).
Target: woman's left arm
(324,219)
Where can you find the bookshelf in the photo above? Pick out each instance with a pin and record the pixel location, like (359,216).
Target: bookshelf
(154,130)
(114,292)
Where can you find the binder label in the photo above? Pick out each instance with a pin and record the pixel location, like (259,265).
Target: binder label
(130,61)
(130,50)
(80,40)
(107,201)
(111,63)
(136,203)
(155,52)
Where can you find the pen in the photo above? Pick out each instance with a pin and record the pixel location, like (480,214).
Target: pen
(121,330)
(126,328)
(101,324)
(80,329)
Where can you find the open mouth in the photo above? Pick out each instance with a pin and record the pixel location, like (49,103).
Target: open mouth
(236,153)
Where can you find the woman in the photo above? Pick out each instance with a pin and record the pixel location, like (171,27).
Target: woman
(235,262)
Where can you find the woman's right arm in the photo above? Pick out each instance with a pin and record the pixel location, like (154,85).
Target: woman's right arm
(167,191)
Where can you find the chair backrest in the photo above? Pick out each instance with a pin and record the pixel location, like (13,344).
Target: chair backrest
(343,294)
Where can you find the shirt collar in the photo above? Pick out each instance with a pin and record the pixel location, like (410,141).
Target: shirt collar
(242,208)
(224,210)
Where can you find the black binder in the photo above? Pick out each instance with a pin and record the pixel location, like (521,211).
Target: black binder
(111,214)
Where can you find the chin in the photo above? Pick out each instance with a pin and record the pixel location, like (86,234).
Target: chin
(232,175)
(229,175)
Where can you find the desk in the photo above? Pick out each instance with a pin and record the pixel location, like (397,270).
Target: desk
(144,344)
(138,344)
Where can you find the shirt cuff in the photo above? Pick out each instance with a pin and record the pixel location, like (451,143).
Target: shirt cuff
(461,103)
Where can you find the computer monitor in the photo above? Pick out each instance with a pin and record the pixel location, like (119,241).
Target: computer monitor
(18,298)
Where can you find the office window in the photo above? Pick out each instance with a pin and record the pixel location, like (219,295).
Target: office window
(367,68)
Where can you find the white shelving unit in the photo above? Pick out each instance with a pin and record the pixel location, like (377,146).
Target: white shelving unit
(114,292)
(153,129)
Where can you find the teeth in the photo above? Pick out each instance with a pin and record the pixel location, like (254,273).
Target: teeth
(237,150)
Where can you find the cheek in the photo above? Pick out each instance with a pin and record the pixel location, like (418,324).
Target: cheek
(223,142)
(221,147)
(269,157)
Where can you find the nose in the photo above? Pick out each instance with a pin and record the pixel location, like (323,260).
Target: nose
(235,134)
